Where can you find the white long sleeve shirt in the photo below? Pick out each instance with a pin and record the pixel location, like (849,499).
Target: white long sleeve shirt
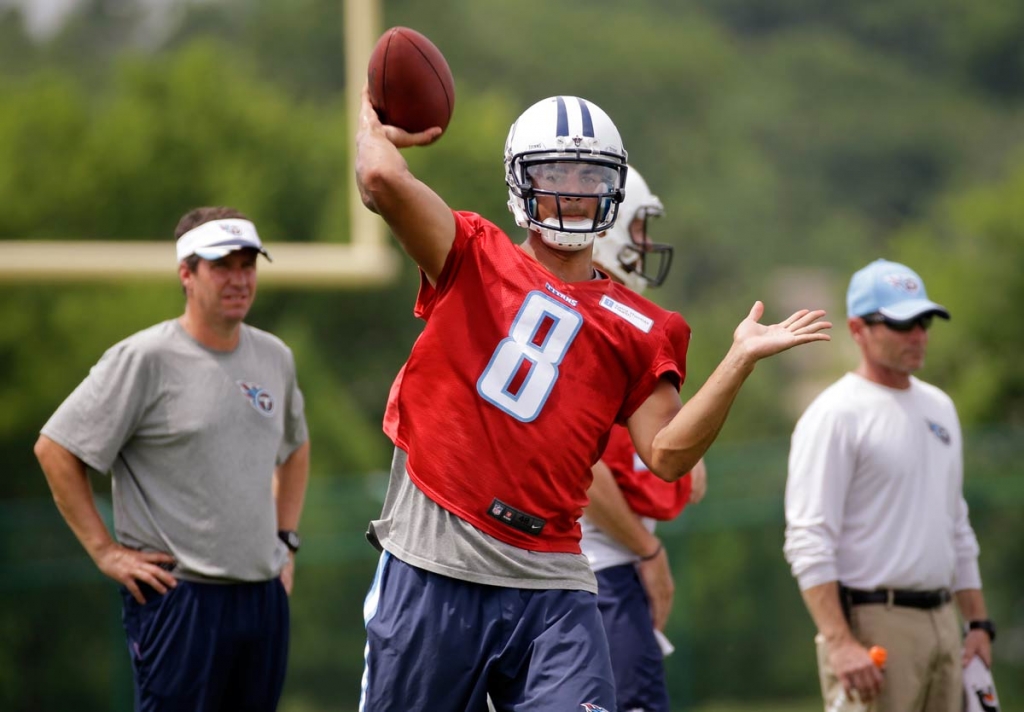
(874,497)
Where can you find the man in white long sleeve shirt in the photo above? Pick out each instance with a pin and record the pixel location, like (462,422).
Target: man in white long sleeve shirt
(877,532)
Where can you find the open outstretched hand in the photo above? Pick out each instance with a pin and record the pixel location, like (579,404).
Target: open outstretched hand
(762,340)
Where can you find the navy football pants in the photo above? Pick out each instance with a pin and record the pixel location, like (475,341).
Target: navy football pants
(637,661)
(440,644)
(208,647)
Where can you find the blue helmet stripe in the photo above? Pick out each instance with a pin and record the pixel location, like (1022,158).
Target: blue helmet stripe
(588,123)
(562,129)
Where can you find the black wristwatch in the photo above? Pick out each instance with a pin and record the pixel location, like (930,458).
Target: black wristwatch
(985,625)
(291,539)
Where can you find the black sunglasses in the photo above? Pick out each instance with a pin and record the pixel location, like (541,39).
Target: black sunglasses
(924,321)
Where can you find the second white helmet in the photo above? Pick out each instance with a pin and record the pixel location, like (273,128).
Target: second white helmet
(626,251)
(567,150)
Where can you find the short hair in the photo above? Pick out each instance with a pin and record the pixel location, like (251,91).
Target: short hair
(196,217)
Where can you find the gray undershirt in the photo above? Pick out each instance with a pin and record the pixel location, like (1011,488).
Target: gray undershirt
(418,531)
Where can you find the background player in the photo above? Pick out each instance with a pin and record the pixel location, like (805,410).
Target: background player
(635,586)
(497,414)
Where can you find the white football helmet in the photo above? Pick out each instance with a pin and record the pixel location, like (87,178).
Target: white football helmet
(567,149)
(630,256)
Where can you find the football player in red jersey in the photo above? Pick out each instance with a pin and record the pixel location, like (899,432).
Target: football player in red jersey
(527,358)
(635,585)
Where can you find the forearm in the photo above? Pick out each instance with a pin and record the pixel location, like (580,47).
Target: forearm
(609,510)
(69,483)
(822,603)
(291,478)
(418,217)
(971,603)
(678,446)
(380,170)
(684,439)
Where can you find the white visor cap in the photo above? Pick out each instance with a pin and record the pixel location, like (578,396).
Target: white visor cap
(217,238)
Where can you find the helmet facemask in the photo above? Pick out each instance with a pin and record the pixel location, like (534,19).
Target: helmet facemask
(645,260)
(568,200)
(626,251)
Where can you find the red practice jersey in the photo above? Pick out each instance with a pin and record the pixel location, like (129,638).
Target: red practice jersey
(647,494)
(509,393)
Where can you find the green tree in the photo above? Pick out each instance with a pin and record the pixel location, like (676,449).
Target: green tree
(969,251)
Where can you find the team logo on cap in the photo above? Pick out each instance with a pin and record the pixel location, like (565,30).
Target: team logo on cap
(903,282)
(259,398)
(231,229)
(940,432)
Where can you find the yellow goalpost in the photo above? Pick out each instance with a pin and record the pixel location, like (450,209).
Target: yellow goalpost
(367,259)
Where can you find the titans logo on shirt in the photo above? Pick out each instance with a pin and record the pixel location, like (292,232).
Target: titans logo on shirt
(940,432)
(259,399)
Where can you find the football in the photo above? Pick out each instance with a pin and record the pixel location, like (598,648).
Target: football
(410,84)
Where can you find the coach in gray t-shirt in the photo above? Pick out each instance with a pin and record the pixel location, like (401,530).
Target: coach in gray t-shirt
(199,420)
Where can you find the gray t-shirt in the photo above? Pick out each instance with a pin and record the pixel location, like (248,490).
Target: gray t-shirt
(191,437)
(418,531)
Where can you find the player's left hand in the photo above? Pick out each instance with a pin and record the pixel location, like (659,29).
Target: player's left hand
(656,577)
(977,643)
(759,341)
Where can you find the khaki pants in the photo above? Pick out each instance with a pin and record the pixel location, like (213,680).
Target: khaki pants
(923,672)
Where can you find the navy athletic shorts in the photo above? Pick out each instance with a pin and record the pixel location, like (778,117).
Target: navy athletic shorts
(637,661)
(208,647)
(440,644)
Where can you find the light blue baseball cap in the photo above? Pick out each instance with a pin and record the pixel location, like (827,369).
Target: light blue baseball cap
(893,290)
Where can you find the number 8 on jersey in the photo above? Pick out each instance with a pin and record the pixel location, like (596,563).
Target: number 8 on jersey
(524,366)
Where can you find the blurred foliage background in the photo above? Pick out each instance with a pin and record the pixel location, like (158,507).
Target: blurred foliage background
(792,142)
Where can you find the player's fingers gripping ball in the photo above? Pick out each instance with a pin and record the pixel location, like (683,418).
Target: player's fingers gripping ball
(409,82)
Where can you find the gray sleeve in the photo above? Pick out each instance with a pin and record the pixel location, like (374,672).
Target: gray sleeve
(102,413)
(295,430)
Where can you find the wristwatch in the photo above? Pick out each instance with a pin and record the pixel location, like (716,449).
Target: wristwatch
(985,625)
(291,539)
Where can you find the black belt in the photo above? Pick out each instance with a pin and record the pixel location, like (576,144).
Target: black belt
(896,597)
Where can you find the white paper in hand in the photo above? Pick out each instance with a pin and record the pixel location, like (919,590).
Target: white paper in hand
(979,688)
(664,643)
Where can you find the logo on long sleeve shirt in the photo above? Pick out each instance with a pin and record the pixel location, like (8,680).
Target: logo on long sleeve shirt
(940,432)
